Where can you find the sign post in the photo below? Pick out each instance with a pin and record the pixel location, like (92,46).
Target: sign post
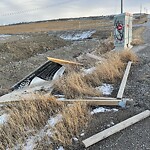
(123,31)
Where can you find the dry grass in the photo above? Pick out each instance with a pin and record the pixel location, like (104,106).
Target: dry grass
(136,42)
(75,119)
(26,117)
(137,36)
(59,25)
(73,85)
(128,55)
(112,68)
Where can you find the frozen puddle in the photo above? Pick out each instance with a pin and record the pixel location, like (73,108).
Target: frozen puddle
(77,35)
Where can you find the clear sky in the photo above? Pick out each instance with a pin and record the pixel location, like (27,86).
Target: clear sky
(14,11)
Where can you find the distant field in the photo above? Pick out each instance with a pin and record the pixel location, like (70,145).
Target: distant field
(57,26)
(64,25)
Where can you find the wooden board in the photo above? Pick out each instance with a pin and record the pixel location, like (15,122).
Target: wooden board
(62,62)
(88,97)
(124,80)
(100,102)
(116,128)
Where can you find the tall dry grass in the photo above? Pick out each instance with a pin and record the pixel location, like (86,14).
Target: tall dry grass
(75,119)
(77,85)
(26,118)
(73,85)
(112,68)
(128,55)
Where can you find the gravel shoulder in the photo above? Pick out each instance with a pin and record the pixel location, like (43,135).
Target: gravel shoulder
(137,136)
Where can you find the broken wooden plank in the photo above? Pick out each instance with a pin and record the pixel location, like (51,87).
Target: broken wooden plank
(124,80)
(116,128)
(101,102)
(62,62)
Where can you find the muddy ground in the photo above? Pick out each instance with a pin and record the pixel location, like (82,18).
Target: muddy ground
(14,65)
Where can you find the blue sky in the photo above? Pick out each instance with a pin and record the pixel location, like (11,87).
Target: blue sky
(13,11)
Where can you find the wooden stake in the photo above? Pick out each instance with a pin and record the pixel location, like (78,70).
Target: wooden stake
(124,80)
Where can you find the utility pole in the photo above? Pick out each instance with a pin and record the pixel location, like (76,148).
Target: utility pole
(121,6)
(140,9)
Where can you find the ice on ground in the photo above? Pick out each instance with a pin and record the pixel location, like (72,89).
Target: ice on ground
(106,89)
(102,109)
(77,36)
(89,71)
(60,148)
(3,118)
(54,120)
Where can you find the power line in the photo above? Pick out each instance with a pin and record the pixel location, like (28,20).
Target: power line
(34,9)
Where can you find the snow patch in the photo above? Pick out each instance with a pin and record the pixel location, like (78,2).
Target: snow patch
(3,118)
(4,35)
(102,109)
(89,71)
(111,124)
(75,139)
(30,144)
(54,120)
(106,89)
(61,98)
(32,140)
(82,134)
(77,36)
(60,148)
